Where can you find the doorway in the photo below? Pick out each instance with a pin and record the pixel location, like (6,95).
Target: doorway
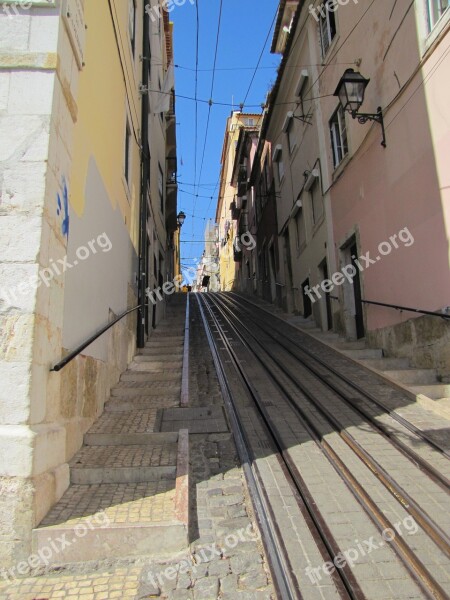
(357,295)
(307,305)
(328,324)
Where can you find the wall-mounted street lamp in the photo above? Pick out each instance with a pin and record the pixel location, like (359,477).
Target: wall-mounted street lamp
(350,91)
(181,217)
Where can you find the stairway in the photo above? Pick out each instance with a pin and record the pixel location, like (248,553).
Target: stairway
(423,383)
(128,483)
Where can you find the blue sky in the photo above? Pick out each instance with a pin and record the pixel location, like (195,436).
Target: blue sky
(244,28)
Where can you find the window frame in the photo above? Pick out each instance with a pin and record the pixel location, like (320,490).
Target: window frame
(278,159)
(339,138)
(290,135)
(429,9)
(132,22)
(330,21)
(127,170)
(300,221)
(161,187)
(315,191)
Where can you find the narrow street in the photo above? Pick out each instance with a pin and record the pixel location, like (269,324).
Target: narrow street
(224,300)
(290,472)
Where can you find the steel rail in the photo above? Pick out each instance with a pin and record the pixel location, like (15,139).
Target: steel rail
(420,573)
(412,428)
(420,462)
(344,580)
(430,527)
(278,560)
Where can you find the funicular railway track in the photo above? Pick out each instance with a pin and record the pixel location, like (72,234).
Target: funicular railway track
(301,393)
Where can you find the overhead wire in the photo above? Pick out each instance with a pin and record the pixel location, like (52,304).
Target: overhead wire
(210,104)
(212,89)
(259,60)
(196,86)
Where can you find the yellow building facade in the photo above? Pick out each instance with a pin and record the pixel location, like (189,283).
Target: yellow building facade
(226,205)
(91,198)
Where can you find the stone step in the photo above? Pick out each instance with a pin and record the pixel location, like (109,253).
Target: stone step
(118,405)
(176,351)
(124,464)
(164,344)
(345,345)
(169,332)
(129,439)
(368,353)
(386,364)
(107,521)
(132,422)
(435,392)
(326,336)
(159,376)
(142,389)
(154,367)
(166,339)
(139,376)
(413,376)
(162,358)
(134,376)
(164,349)
(304,323)
(149,354)
(122,518)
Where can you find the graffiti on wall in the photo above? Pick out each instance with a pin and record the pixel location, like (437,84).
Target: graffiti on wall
(63,209)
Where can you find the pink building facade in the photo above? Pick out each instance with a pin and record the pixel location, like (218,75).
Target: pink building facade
(393,202)
(383,231)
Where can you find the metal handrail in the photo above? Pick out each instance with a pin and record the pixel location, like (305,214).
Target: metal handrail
(408,309)
(62,363)
(397,307)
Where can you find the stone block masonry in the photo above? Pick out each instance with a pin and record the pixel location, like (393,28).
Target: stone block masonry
(33,469)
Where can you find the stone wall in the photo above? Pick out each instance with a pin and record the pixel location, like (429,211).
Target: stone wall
(31,448)
(43,415)
(425,340)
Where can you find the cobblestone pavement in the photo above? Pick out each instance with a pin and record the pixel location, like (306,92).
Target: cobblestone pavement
(225,559)
(148,455)
(121,503)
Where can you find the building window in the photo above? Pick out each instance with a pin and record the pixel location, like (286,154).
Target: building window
(316,202)
(278,159)
(127,155)
(132,23)
(291,136)
(435,10)
(327,29)
(161,187)
(280,168)
(300,229)
(249,122)
(338,133)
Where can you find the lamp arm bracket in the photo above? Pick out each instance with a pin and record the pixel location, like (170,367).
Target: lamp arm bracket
(377,117)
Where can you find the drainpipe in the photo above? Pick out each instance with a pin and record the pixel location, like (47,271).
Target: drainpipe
(145,179)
